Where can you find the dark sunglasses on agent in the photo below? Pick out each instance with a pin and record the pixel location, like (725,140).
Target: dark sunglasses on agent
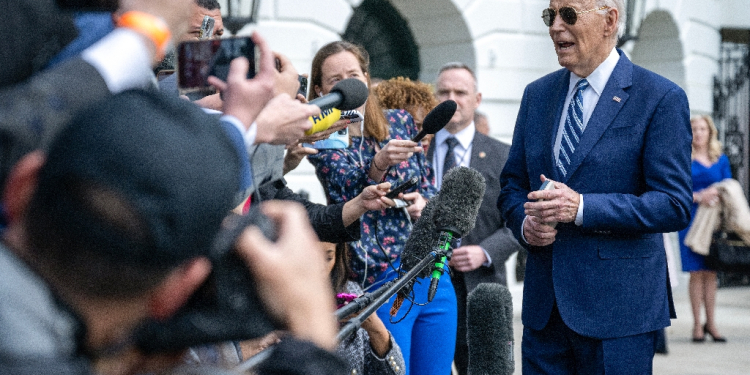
(568,14)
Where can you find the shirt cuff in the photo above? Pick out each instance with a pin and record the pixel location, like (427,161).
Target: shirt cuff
(489,258)
(123,60)
(579,214)
(247,134)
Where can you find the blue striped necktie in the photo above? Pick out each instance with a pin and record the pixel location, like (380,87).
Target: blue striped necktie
(573,129)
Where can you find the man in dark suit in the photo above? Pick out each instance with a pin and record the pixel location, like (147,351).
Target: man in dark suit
(616,140)
(483,251)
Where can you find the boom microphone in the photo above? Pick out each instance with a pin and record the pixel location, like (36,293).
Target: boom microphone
(456,213)
(436,119)
(348,94)
(450,214)
(489,323)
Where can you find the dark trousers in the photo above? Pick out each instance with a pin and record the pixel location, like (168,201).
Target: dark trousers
(461,357)
(556,349)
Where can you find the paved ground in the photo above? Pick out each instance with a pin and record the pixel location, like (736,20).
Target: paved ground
(685,357)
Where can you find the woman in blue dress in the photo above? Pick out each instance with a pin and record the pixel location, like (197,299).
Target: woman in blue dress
(709,166)
(381,150)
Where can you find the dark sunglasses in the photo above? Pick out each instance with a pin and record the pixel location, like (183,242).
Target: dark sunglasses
(568,14)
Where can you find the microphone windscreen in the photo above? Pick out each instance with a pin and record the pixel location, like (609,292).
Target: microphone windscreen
(489,327)
(353,91)
(422,239)
(439,117)
(460,197)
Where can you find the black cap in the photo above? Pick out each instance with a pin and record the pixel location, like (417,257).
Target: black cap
(171,164)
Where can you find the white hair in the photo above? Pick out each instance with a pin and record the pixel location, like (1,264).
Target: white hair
(621,14)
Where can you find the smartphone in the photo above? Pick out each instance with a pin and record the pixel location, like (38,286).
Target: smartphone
(410,183)
(199,59)
(302,85)
(89,5)
(207,28)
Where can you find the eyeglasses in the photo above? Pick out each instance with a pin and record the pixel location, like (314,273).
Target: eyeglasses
(568,14)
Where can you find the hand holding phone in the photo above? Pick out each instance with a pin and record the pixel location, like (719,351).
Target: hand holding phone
(548,185)
(199,59)
(410,183)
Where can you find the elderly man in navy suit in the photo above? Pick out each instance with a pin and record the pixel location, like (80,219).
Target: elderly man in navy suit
(615,139)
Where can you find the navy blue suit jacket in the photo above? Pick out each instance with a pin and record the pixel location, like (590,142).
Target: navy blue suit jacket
(609,275)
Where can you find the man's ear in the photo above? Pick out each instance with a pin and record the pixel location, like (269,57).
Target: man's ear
(21,185)
(177,287)
(610,21)
(479,99)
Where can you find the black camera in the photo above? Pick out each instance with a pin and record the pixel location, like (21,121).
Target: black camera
(226,307)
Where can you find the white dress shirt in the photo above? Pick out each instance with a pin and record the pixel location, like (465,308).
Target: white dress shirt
(597,81)
(462,151)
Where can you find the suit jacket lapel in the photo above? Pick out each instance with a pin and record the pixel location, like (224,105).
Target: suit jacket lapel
(553,112)
(605,111)
(477,146)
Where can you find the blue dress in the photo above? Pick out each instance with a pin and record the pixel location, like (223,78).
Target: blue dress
(703,177)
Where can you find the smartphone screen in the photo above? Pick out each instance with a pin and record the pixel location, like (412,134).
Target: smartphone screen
(197,60)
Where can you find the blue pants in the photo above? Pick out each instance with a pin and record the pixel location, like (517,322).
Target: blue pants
(427,335)
(557,349)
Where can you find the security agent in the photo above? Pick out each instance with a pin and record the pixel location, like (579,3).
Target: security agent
(112,227)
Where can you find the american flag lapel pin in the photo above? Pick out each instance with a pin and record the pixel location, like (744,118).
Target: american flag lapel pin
(617,99)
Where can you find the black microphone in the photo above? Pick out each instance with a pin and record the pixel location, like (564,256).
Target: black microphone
(348,94)
(436,119)
(489,325)
(455,212)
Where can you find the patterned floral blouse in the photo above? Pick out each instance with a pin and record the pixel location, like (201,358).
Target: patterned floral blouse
(344,174)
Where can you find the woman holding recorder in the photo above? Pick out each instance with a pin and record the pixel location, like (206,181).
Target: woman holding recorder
(381,151)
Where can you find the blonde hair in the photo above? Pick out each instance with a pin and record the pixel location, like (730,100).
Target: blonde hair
(714,146)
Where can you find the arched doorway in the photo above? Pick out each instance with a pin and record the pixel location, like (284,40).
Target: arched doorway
(411,38)
(659,48)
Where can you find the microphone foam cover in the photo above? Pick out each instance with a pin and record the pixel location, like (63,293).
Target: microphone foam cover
(460,197)
(439,117)
(489,327)
(353,91)
(422,239)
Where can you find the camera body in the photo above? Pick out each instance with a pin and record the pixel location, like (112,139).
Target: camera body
(226,307)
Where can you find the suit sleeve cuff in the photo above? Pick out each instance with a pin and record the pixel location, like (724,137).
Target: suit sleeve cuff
(523,224)
(489,258)
(247,134)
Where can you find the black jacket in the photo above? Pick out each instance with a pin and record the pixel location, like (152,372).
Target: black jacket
(325,220)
